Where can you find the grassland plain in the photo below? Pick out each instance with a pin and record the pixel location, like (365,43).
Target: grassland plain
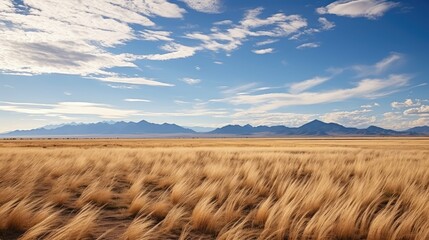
(366,188)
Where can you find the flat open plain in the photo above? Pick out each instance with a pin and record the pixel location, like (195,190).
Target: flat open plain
(304,188)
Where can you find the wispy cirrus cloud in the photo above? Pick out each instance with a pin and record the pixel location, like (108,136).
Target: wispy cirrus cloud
(188,113)
(132,80)
(67,108)
(366,88)
(371,9)
(380,67)
(152,35)
(326,24)
(239,89)
(115,86)
(307,84)
(263,51)
(137,100)
(174,51)
(308,45)
(266,42)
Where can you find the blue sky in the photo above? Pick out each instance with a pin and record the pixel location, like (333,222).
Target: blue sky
(214,62)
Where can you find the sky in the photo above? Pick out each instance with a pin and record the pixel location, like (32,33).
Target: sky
(208,63)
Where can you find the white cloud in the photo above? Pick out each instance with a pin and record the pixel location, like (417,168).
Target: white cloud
(367,88)
(357,118)
(188,113)
(67,108)
(326,24)
(266,42)
(224,22)
(406,104)
(136,100)
(218,62)
(380,67)
(67,93)
(191,81)
(422,110)
(307,84)
(370,105)
(371,9)
(263,51)
(401,121)
(206,6)
(133,80)
(80,110)
(181,102)
(6,5)
(73,37)
(387,62)
(175,51)
(239,89)
(151,35)
(122,86)
(308,45)
(424,121)
(271,118)
(275,26)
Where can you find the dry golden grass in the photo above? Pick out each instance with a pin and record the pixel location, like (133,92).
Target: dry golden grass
(215,188)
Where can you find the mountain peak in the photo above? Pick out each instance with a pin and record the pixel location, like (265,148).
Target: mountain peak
(317,121)
(314,123)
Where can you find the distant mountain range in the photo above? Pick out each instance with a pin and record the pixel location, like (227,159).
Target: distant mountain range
(104,128)
(317,128)
(313,128)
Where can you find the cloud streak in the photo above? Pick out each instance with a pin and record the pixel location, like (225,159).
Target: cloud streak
(136,100)
(68,108)
(380,67)
(366,88)
(174,51)
(371,9)
(307,84)
(263,51)
(65,110)
(308,45)
(132,80)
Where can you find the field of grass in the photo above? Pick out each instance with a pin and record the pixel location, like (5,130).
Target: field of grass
(364,188)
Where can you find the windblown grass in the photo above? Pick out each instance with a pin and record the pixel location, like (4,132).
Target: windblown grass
(225,189)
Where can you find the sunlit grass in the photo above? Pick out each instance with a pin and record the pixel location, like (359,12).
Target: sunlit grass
(237,189)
